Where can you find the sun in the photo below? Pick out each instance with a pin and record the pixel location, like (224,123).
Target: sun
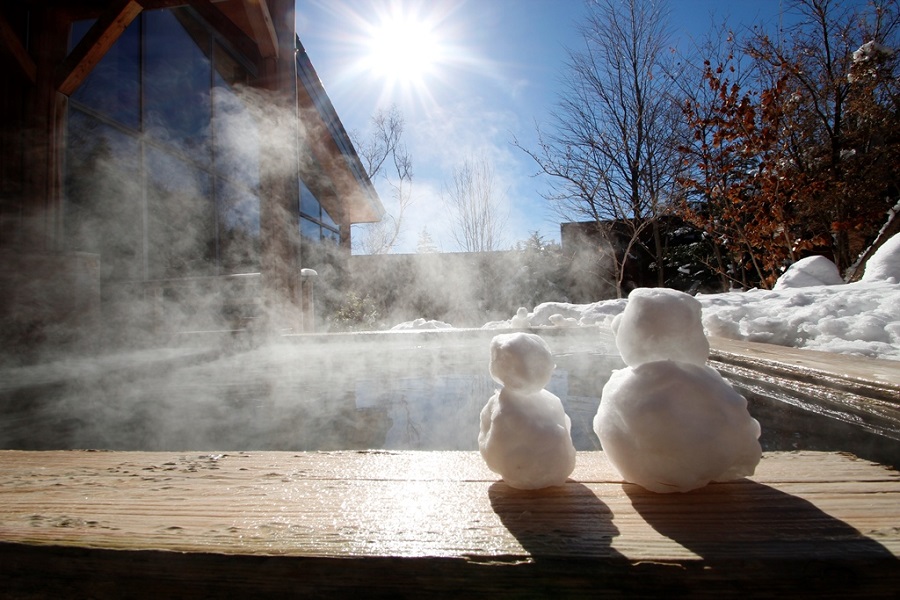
(409,52)
(404,49)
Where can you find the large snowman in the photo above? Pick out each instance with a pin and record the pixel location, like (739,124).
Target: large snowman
(525,434)
(667,421)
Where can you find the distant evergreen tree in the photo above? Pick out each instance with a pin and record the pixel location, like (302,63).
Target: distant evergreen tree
(426,243)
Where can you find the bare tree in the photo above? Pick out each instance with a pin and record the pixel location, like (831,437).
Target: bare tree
(384,155)
(611,155)
(475,206)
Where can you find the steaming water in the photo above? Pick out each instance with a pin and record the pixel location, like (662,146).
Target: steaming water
(391,391)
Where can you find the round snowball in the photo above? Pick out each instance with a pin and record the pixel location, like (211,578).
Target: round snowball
(808,272)
(661,324)
(521,361)
(670,426)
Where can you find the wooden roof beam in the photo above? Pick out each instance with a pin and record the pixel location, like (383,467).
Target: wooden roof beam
(227,29)
(14,46)
(98,40)
(262,26)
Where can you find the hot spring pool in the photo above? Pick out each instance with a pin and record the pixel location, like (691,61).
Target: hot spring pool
(394,391)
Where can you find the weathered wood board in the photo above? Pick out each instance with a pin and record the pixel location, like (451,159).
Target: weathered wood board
(858,371)
(403,524)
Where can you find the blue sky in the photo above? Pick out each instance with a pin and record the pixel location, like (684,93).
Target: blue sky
(479,73)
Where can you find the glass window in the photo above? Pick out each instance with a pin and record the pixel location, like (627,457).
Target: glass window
(113,87)
(327,220)
(104,212)
(315,223)
(238,228)
(177,77)
(310,229)
(309,206)
(147,203)
(331,236)
(236,137)
(181,233)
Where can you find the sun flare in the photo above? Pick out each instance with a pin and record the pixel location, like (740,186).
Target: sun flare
(403,49)
(409,51)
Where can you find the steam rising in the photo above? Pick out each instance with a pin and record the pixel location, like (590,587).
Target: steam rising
(160,325)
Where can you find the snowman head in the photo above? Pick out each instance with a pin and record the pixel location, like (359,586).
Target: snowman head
(521,361)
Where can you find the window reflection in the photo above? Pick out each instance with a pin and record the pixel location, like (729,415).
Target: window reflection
(162,175)
(177,76)
(315,223)
(236,137)
(238,228)
(104,208)
(113,87)
(181,222)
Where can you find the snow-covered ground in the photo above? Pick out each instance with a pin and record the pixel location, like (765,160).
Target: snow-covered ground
(861,318)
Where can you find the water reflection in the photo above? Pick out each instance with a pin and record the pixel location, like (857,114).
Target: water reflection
(404,392)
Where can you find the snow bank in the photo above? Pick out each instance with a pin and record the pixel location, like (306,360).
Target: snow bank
(421,324)
(884,265)
(810,309)
(858,318)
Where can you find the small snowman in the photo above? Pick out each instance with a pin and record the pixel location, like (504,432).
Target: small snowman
(525,433)
(667,421)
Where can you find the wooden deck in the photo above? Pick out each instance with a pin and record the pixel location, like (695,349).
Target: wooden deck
(433,524)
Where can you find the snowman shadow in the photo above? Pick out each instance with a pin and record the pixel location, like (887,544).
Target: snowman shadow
(747,521)
(567,521)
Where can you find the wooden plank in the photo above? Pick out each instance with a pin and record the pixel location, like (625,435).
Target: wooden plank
(262,26)
(438,519)
(857,370)
(95,44)
(14,46)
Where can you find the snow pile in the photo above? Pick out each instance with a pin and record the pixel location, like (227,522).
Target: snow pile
(809,309)
(420,324)
(667,421)
(858,318)
(544,315)
(525,434)
(884,265)
(809,271)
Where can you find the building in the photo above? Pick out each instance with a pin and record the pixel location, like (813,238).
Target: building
(161,162)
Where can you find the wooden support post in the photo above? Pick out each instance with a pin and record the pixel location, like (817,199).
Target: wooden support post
(14,46)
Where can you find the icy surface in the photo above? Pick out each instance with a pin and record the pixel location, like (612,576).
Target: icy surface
(667,421)
(808,272)
(658,324)
(525,435)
